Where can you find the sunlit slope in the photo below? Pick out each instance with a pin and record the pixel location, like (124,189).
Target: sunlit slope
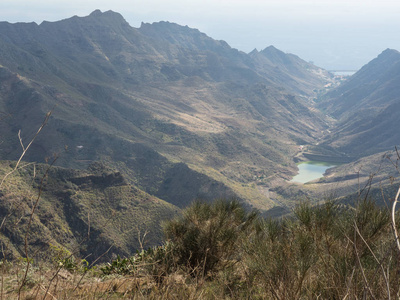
(92,212)
(165,88)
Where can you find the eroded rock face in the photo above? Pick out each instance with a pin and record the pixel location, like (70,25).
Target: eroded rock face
(101,181)
(77,210)
(147,98)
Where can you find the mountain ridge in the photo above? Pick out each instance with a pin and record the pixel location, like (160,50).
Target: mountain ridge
(366,106)
(134,87)
(175,114)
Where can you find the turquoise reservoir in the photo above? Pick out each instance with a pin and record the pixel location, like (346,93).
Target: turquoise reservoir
(311,170)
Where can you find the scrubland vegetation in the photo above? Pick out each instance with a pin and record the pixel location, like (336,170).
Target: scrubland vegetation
(172,115)
(222,251)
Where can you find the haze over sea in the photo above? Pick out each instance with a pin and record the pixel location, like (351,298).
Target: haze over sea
(334,34)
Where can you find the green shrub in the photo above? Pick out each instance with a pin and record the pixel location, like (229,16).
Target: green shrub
(64,259)
(206,236)
(120,266)
(328,251)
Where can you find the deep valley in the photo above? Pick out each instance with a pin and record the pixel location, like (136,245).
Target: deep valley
(146,120)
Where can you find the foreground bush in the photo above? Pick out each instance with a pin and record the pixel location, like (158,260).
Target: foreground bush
(206,237)
(327,252)
(222,251)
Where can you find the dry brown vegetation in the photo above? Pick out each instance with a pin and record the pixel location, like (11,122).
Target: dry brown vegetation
(221,251)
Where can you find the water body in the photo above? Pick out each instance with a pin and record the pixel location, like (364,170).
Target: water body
(311,170)
(344,72)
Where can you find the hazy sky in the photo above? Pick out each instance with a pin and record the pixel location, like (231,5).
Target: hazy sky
(335,34)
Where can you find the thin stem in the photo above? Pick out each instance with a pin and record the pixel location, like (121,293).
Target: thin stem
(25,149)
(28,261)
(396,235)
(377,260)
(366,287)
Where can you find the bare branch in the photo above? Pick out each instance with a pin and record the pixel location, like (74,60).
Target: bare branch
(377,260)
(30,223)
(396,235)
(24,149)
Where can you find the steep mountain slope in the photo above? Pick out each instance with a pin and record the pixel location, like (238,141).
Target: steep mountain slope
(92,212)
(367,108)
(290,71)
(373,87)
(145,100)
(270,65)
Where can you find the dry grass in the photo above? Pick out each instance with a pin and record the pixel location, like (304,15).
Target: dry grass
(218,251)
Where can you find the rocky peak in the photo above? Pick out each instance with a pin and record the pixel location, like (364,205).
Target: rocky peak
(183,36)
(389,51)
(96,13)
(254,52)
(378,67)
(108,19)
(271,49)
(275,55)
